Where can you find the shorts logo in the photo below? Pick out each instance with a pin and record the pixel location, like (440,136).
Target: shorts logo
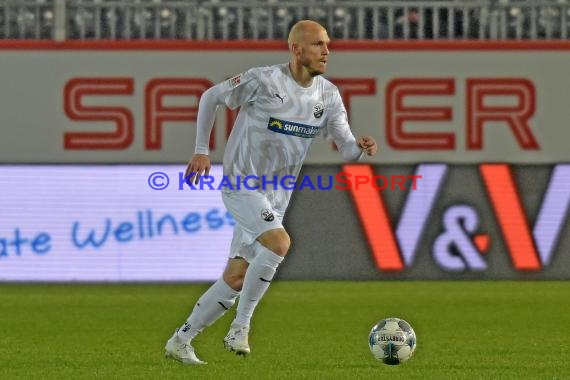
(267,215)
(235,81)
(293,129)
(318,110)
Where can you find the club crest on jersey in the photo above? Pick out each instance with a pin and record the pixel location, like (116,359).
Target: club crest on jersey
(291,128)
(235,81)
(318,110)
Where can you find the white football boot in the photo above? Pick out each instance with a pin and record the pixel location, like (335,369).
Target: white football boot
(182,351)
(237,340)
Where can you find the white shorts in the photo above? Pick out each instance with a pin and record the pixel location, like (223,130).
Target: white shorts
(254,216)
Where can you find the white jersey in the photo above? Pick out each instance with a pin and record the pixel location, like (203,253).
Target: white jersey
(277,123)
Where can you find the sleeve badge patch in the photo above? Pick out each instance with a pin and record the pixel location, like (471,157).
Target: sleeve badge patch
(235,81)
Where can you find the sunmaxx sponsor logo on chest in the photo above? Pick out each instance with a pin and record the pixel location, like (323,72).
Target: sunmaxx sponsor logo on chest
(291,128)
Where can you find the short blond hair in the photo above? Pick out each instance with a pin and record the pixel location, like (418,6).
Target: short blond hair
(298,31)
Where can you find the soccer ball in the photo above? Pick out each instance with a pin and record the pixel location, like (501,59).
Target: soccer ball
(392,341)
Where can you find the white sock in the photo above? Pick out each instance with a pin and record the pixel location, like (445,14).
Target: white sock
(257,279)
(211,306)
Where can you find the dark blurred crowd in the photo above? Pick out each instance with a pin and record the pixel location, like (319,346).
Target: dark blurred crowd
(271,19)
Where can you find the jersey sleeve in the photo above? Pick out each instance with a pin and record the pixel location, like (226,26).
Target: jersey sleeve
(234,92)
(338,130)
(241,88)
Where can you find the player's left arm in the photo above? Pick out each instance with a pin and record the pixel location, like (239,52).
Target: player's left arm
(368,145)
(339,131)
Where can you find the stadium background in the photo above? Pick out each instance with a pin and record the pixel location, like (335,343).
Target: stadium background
(96,96)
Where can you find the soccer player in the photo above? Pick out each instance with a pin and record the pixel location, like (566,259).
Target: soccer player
(283,108)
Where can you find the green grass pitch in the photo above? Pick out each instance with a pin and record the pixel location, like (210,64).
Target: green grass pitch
(301,330)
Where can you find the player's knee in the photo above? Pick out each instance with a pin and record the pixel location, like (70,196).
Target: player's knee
(234,280)
(278,241)
(282,247)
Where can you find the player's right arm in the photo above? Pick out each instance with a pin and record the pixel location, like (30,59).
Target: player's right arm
(233,92)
